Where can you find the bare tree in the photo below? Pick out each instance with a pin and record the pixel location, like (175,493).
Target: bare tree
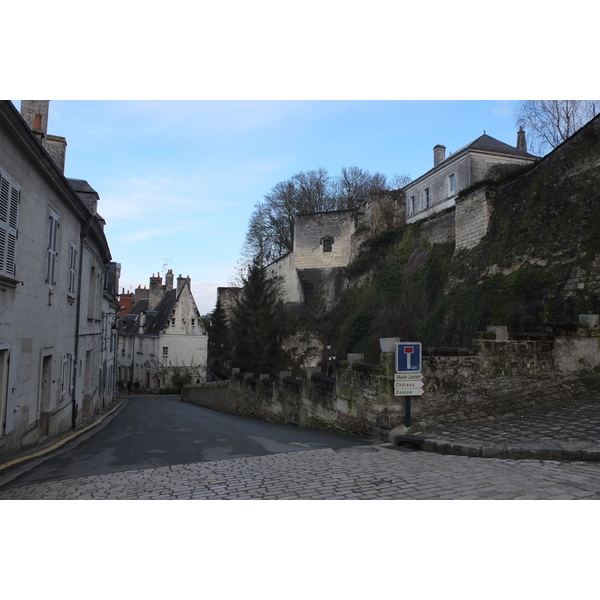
(270,233)
(548,123)
(399,180)
(354,186)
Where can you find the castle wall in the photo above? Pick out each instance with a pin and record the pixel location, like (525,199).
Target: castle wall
(504,376)
(472,217)
(284,272)
(312,234)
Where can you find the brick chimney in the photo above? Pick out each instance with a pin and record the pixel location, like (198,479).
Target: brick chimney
(439,154)
(35,114)
(521,141)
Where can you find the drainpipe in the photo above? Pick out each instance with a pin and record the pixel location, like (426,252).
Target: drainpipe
(82,236)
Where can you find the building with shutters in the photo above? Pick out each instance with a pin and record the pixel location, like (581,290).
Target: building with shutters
(58,286)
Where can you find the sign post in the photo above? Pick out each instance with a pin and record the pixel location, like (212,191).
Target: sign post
(408,380)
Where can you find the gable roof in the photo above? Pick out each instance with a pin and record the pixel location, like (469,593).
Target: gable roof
(489,144)
(484,143)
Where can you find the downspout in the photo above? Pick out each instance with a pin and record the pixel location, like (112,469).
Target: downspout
(115,349)
(82,236)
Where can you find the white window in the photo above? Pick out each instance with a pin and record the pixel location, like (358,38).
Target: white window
(412,205)
(73,271)
(451,185)
(10,194)
(426,198)
(52,249)
(165,351)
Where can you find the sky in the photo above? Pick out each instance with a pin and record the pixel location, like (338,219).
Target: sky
(178,180)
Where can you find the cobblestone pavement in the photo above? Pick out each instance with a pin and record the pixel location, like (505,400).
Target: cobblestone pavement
(358,473)
(564,432)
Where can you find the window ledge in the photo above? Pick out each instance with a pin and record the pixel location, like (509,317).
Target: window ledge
(9,282)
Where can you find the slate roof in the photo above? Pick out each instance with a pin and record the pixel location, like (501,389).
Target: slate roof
(489,144)
(156,320)
(485,143)
(81,186)
(154,326)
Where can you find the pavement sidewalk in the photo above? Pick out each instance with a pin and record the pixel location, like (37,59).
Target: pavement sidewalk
(565,432)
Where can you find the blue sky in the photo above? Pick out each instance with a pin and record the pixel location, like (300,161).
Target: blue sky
(178,180)
(183,120)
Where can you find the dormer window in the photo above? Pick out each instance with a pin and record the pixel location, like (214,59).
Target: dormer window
(327,243)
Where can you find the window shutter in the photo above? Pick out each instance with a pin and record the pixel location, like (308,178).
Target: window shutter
(51,259)
(73,271)
(10,194)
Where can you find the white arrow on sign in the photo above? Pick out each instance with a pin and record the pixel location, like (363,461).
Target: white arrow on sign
(409,392)
(408,376)
(408,385)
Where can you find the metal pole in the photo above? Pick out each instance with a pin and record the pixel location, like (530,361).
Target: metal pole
(407,411)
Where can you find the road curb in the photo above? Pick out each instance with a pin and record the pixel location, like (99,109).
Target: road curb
(483,450)
(22,459)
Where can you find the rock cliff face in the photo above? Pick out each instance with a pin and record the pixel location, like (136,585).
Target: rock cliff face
(540,259)
(523,252)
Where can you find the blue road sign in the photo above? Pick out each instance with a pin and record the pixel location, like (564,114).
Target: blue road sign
(408,357)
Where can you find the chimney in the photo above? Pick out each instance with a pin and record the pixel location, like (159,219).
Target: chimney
(181,282)
(521,141)
(169,280)
(439,154)
(35,114)
(156,291)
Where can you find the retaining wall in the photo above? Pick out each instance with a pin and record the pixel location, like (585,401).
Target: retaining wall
(497,377)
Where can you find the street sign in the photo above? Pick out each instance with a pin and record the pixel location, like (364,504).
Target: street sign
(408,357)
(408,392)
(408,385)
(408,376)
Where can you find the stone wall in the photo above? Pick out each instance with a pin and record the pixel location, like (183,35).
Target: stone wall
(501,375)
(311,233)
(439,229)
(472,216)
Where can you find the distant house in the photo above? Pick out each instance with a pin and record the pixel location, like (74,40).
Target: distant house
(437,189)
(58,304)
(162,336)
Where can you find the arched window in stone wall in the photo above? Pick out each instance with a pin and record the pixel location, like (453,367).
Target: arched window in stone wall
(327,243)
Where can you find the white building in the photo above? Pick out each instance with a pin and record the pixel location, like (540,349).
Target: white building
(57,287)
(438,189)
(162,336)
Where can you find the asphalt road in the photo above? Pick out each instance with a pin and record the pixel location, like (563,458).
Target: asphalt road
(158,431)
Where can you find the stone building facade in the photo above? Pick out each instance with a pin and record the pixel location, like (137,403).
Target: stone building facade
(57,288)
(162,335)
(438,189)
(322,249)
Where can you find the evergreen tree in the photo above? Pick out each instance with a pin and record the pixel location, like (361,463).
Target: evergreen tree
(218,341)
(257,325)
